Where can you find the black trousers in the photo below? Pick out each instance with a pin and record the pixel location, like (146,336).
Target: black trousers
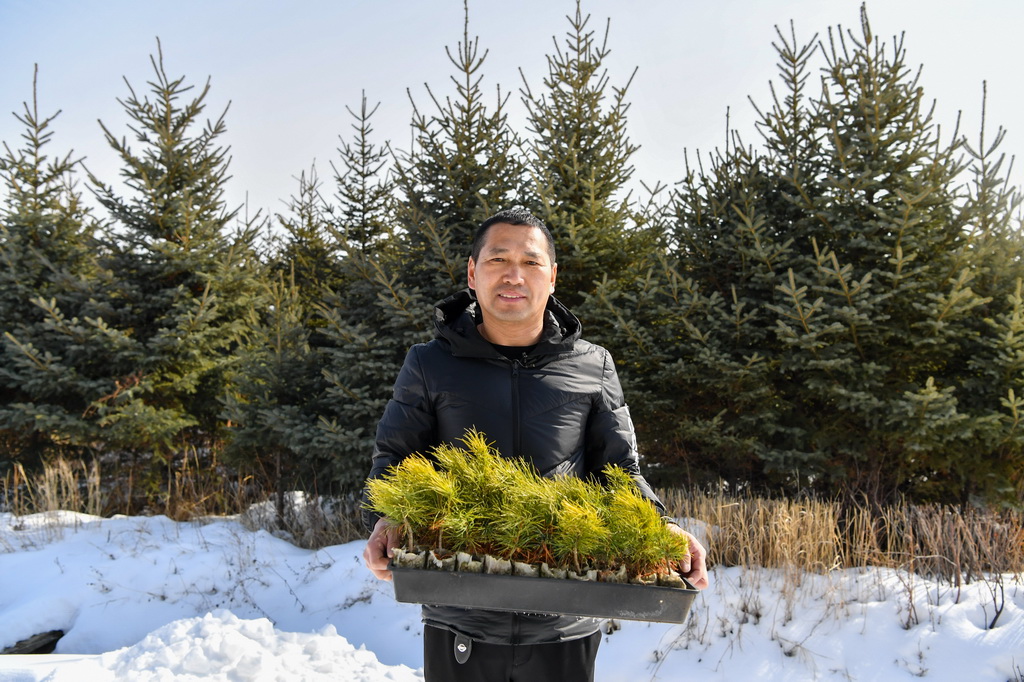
(571,661)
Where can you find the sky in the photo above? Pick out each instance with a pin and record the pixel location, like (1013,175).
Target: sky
(289,70)
(147,599)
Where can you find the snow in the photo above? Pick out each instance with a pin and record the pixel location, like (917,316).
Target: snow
(146,598)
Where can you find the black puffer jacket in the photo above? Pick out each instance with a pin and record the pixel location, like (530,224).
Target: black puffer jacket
(559,406)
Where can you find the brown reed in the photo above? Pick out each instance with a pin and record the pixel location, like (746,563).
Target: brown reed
(805,534)
(820,535)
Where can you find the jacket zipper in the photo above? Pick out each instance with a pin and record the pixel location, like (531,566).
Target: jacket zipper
(516,438)
(516,447)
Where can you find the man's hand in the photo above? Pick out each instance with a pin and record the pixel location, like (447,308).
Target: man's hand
(693,567)
(378,548)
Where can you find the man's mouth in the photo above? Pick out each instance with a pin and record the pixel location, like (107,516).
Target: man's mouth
(512,297)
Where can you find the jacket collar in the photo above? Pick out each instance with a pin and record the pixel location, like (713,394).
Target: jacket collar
(456,318)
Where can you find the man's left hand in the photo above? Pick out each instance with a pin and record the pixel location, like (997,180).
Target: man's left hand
(694,566)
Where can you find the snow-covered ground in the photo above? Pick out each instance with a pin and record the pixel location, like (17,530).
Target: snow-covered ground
(150,599)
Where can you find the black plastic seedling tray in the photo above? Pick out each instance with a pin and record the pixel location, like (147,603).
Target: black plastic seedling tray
(543,595)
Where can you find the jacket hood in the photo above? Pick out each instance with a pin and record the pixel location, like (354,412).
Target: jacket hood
(456,318)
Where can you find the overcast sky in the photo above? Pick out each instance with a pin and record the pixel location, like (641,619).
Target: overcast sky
(289,69)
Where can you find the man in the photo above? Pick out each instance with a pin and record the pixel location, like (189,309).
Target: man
(508,360)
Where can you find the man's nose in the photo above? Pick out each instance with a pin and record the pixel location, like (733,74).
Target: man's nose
(513,274)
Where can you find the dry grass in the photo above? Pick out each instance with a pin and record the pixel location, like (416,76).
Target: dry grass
(797,535)
(197,485)
(762,532)
(63,485)
(308,521)
(818,535)
(194,488)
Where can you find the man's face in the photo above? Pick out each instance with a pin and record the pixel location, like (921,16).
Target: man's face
(514,276)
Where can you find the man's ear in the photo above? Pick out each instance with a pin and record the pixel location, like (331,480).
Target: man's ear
(471,273)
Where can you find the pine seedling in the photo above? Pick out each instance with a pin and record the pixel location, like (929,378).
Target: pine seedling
(639,537)
(511,504)
(479,502)
(481,479)
(522,532)
(416,495)
(461,529)
(616,478)
(580,532)
(475,468)
(580,490)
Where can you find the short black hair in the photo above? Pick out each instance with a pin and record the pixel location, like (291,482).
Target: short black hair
(512,216)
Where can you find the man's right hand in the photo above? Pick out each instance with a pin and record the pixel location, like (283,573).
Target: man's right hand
(378,548)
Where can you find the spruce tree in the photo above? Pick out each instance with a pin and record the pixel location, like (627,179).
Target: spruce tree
(186,285)
(465,165)
(891,268)
(357,356)
(693,342)
(307,251)
(361,221)
(363,218)
(977,454)
(290,411)
(579,155)
(277,398)
(48,269)
(817,317)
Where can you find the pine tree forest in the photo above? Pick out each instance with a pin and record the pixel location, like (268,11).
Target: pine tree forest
(828,304)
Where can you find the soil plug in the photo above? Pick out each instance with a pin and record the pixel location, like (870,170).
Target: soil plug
(671,579)
(441,560)
(548,572)
(497,566)
(617,576)
(525,570)
(467,564)
(405,559)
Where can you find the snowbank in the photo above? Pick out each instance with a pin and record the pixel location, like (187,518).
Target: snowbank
(151,599)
